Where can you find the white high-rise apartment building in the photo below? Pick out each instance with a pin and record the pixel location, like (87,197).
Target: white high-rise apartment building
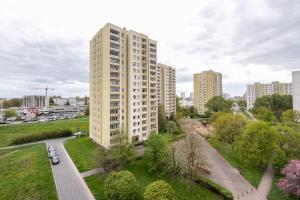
(123,96)
(166,88)
(207,84)
(258,90)
(296,90)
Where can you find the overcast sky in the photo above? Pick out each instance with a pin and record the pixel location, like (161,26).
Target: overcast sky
(47,42)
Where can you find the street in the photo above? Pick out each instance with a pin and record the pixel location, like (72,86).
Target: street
(69,182)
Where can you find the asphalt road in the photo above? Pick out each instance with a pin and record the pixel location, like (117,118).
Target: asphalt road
(69,182)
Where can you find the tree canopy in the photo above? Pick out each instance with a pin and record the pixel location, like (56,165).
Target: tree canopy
(12,103)
(275,103)
(218,104)
(227,126)
(257,143)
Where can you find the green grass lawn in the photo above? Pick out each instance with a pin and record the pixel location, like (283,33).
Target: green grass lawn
(276,194)
(25,173)
(253,174)
(9,133)
(84,153)
(139,169)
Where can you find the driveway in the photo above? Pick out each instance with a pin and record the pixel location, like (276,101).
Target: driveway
(69,182)
(221,171)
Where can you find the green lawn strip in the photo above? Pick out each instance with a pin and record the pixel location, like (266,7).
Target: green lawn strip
(84,153)
(276,194)
(26,174)
(9,133)
(144,177)
(252,174)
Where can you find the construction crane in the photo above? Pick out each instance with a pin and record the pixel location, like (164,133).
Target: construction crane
(46,89)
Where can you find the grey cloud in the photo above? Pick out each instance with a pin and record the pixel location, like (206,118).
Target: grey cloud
(270,37)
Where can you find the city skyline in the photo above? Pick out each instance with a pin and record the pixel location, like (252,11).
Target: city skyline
(53,50)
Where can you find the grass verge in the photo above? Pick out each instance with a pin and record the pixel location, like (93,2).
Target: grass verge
(26,174)
(252,174)
(144,177)
(10,132)
(84,153)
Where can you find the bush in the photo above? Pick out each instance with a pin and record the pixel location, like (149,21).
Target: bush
(212,186)
(290,184)
(159,190)
(120,186)
(42,136)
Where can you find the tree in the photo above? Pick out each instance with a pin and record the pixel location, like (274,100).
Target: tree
(171,127)
(242,104)
(120,186)
(218,104)
(275,103)
(289,146)
(12,103)
(87,111)
(10,113)
(159,190)
(290,115)
(158,153)
(227,126)
(257,143)
(161,119)
(290,184)
(264,114)
(122,150)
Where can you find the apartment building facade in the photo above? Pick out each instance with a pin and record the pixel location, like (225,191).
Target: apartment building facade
(258,90)
(35,101)
(166,88)
(123,85)
(207,84)
(296,91)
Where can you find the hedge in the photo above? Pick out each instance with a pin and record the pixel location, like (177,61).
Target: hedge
(214,187)
(42,136)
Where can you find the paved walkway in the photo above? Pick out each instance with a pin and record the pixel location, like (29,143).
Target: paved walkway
(221,171)
(266,181)
(69,182)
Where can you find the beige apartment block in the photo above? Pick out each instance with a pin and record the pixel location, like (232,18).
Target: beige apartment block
(207,84)
(258,90)
(122,85)
(166,88)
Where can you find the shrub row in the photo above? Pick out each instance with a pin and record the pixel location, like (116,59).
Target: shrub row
(42,136)
(214,187)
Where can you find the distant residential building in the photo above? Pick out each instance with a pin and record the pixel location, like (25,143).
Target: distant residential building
(166,88)
(296,90)
(35,101)
(191,95)
(187,102)
(258,90)
(123,85)
(76,101)
(182,95)
(207,84)
(60,101)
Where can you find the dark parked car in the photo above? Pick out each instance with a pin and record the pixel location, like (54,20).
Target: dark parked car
(54,160)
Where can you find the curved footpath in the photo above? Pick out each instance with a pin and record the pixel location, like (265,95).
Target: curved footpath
(226,175)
